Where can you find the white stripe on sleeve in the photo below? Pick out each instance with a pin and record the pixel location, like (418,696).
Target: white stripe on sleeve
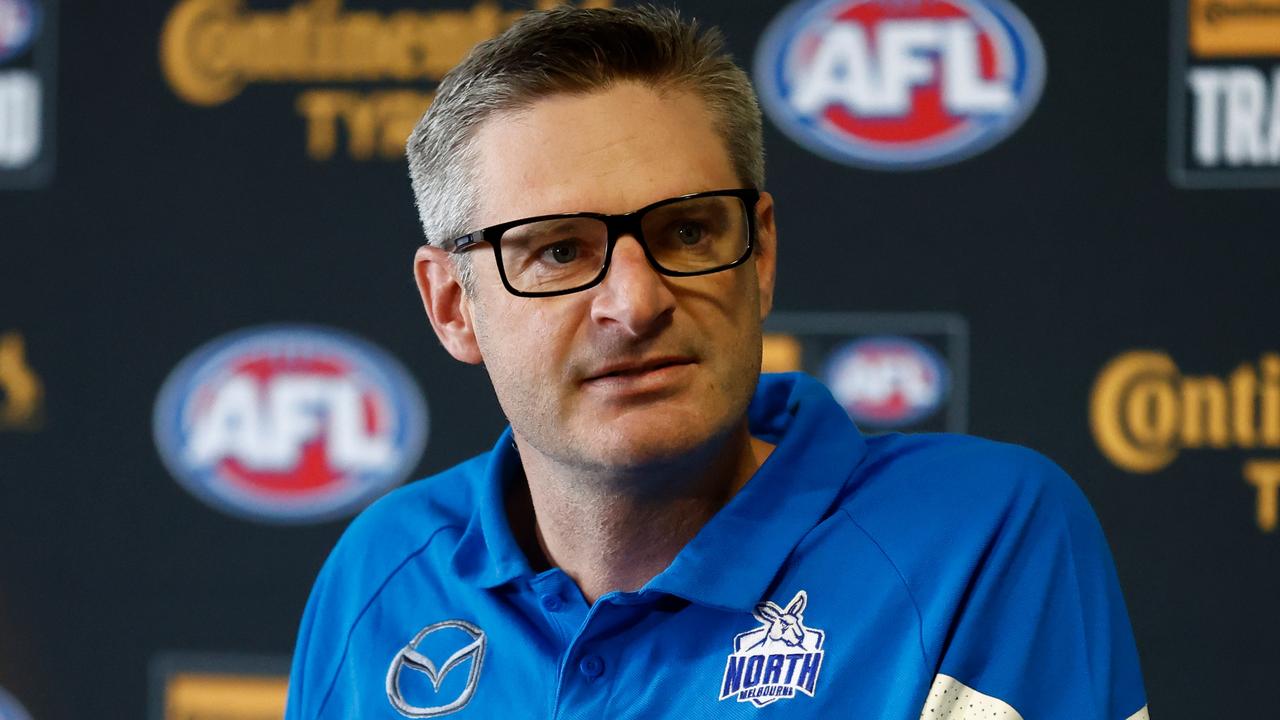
(950,699)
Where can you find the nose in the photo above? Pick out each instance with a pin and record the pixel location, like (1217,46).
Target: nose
(633,298)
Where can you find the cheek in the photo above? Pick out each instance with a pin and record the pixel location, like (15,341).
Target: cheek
(729,309)
(527,339)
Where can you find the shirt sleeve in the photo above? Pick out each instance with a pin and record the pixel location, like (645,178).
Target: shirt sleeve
(1039,629)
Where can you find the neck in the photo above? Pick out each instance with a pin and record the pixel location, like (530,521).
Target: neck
(614,531)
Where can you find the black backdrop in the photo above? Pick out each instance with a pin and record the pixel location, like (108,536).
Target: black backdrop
(166,224)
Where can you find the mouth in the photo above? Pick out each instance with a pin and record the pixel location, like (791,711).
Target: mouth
(629,370)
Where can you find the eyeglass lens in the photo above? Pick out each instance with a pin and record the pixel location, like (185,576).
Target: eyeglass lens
(694,235)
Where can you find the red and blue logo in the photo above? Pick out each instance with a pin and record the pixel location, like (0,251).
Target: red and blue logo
(899,84)
(290,424)
(19,20)
(887,382)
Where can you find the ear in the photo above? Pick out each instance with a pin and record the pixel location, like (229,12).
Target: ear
(766,252)
(766,612)
(797,606)
(448,307)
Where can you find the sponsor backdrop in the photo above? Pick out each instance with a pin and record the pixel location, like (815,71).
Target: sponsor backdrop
(1013,218)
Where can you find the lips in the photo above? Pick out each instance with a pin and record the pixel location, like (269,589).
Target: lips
(636,368)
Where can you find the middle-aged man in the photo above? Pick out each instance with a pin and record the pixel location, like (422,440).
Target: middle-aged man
(662,532)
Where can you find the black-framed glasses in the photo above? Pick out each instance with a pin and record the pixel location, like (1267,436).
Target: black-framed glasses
(547,255)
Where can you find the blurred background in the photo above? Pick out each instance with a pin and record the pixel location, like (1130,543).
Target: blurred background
(1038,222)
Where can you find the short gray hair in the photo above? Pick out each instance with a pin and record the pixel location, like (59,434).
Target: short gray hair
(577,51)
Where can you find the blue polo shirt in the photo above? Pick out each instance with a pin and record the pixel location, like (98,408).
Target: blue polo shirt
(894,577)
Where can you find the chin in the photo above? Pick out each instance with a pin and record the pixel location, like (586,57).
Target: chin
(642,442)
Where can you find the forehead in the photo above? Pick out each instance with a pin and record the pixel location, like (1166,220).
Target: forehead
(611,150)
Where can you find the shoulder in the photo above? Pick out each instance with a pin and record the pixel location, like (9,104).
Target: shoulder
(422,519)
(977,457)
(916,494)
(403,522)
(444,498)
(933,476)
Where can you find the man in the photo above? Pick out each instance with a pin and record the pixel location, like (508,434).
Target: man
(661,532)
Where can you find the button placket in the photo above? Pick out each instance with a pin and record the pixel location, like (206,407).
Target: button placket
(554,596)
(585,676)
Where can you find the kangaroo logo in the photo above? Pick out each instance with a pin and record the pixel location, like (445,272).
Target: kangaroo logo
(775,661)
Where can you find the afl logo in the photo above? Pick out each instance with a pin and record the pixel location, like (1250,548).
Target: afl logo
(18,23)
(887,382)
(899,84)
(289,424)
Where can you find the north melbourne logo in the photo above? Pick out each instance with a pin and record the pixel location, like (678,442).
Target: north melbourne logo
(777,660)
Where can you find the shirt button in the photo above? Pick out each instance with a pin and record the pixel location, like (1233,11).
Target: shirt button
(551,603)
(592,666)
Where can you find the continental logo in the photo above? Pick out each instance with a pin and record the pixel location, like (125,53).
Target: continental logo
(1235,28)
(212,50)
(21,391)
(1144,412)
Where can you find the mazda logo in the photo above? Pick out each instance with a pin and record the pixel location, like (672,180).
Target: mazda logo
(409,658)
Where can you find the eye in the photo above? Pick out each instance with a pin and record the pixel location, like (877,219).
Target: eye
(689,233)
(563,252)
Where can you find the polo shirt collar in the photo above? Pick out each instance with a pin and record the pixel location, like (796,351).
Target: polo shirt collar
(734,558)
(487,554)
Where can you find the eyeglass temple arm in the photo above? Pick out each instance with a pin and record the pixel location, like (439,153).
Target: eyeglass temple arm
(462,243)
